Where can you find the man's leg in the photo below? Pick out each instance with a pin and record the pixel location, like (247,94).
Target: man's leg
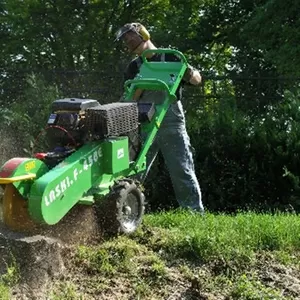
(175,145)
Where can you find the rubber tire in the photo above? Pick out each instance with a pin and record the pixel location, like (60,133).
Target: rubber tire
(110,210)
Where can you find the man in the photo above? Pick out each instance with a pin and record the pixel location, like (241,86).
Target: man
(172,138)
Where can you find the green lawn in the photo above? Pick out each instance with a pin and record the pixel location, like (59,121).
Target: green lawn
(211,257)
(223,236)
(180,255)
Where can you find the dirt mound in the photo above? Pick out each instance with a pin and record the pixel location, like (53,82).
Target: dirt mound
(40,256)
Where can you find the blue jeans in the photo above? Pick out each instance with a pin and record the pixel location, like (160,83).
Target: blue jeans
(174,143)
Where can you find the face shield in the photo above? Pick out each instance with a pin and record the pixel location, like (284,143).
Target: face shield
(129,37)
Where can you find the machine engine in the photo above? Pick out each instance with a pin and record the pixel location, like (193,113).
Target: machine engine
(66,124)
(74,121)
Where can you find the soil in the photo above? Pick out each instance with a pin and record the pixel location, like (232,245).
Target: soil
(177,287)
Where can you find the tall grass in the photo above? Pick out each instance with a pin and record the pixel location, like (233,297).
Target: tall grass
(224,236)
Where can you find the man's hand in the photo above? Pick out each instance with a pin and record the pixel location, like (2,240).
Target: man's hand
(196,77)
(192,76)
(137,94)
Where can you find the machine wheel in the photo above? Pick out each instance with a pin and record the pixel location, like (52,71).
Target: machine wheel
(123,208)
(14,210)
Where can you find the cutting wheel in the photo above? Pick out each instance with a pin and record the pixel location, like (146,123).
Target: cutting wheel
(14,209)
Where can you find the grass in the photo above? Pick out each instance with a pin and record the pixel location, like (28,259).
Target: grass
(180,255)
(65,291)
(4,292)
(249,287)
(230,237)
(180,252)
(8,280)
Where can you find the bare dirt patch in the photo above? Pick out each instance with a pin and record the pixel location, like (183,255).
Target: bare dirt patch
(41,256)
(176,284)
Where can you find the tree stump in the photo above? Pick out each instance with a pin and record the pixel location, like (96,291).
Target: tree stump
(37,258)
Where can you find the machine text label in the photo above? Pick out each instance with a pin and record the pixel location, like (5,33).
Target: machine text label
(65,183)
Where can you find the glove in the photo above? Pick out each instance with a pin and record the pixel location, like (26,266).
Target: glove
(188,74)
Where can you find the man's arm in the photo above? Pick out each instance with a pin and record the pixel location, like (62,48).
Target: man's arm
(130,73)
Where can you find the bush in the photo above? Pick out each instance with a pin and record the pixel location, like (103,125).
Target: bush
(244,161)
(28,115)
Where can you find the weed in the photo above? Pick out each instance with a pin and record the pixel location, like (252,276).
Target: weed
(8,280)
(251,288)
(65,291)
(12,275)
(4,292)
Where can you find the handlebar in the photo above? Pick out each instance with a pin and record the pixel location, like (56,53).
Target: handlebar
(162,50)
(147,83)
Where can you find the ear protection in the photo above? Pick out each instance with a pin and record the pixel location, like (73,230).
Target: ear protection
(141,30)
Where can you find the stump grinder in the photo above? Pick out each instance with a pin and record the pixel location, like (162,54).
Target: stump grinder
(91,155)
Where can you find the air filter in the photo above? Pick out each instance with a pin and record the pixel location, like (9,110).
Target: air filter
(113,119)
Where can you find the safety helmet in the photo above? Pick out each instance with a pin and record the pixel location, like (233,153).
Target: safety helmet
(133,27)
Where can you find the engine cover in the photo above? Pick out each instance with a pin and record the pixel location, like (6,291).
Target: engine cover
(66,123)
(73,104)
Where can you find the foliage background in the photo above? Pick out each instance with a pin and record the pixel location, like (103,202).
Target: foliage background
(244,119)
